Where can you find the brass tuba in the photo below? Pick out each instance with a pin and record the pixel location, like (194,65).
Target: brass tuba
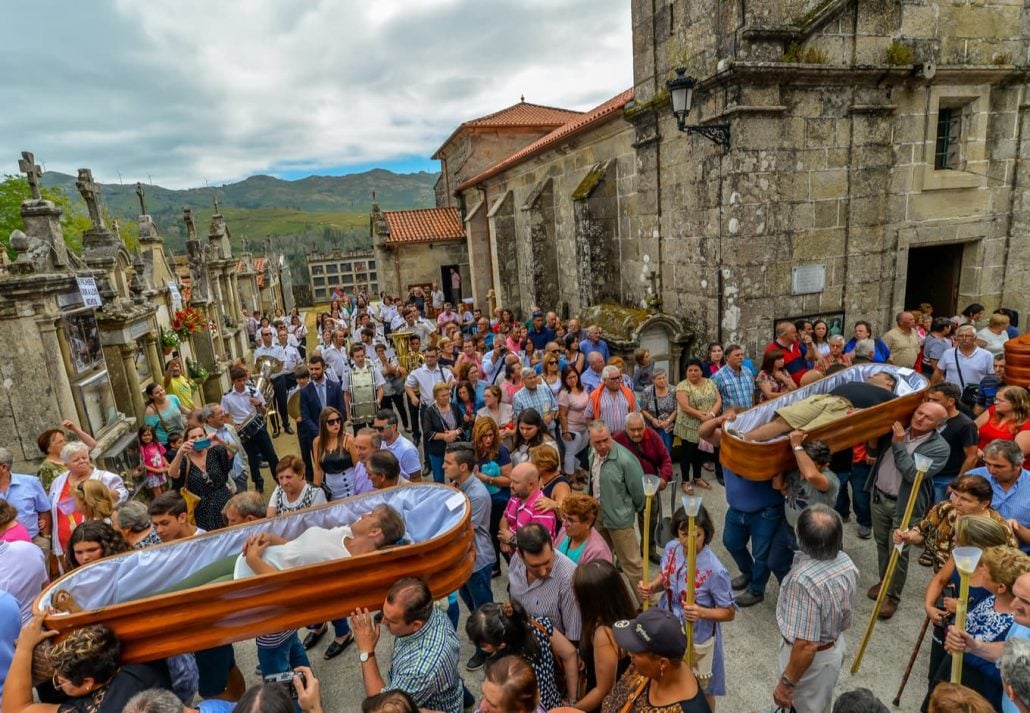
(406,359)
(264,367)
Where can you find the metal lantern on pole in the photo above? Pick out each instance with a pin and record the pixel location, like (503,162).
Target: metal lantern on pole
(691,506)
(966,559)
(650,488)
(923,464)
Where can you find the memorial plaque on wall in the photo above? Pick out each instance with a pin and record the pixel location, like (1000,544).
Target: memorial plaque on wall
(83,337)
(807,279)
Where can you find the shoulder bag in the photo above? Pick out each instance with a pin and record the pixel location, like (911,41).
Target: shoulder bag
(968,390)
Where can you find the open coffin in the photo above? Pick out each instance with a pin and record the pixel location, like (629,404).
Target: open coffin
(119,591)
(763,460)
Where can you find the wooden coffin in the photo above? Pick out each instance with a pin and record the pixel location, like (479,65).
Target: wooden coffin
(762,461)
(1017,361)
(116,591)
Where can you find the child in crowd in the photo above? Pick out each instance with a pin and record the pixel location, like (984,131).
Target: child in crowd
(152,460)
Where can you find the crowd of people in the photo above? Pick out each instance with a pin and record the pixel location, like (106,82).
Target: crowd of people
(550,434)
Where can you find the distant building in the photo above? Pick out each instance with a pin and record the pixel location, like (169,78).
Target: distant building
(420,247)
(348,271)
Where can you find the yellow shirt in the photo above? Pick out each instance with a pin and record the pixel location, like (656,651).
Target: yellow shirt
(183,388)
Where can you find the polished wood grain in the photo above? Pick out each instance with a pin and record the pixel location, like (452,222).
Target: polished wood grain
(1017,361)
(764,460)
(216,614)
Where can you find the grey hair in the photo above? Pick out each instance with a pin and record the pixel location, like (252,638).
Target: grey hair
(610,372)
(783,327)
(248,504)
(528,371)
(635,416)
(860,700)
(899,315)
(1015,668)
(154,700)
(865,347)
(998,448)
(133,516)
(70,449)
(6,457)
(837,338)
(969,327)
(659,371)
(820,532)
(598,426)
(207,412)
(595,354)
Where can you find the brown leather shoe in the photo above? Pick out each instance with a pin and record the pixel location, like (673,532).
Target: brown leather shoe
(874,591)
(887,609)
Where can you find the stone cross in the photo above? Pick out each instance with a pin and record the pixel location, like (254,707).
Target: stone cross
(191,227)
(34,173)
(90,193)
(139,194)
(216,204)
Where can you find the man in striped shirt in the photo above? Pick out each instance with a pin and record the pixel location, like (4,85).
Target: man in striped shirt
(813,611)
(521,509)
(540,579)
(612,401)
(533,395)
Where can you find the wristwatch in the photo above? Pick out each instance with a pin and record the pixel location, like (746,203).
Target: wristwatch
(786,681)
(799,448)
(365,656)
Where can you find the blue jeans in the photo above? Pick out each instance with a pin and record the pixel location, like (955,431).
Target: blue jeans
(781,554)
(453,611)
(666,439)
(940,487)
(285,657)
(477,591)
(758,527)
(863,509)
(436,462)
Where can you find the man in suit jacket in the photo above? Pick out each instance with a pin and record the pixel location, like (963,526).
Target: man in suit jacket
(319,393)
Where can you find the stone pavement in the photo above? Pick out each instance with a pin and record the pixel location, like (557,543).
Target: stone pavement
(751,640)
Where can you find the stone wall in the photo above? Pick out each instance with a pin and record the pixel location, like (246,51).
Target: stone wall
(405,265)
(474,150)
(557,227)
(831,161)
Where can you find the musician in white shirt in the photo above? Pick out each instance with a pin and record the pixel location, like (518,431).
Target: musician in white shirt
(246,407)
(366,388)
(335,356)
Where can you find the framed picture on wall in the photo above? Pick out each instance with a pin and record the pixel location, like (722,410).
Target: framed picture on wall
(83,339)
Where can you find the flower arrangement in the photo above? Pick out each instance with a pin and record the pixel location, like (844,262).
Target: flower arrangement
(169,339)
(186,321)
(228,322)
(195,371)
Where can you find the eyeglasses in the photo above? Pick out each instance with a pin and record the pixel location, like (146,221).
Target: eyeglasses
(382,428)
(332,421)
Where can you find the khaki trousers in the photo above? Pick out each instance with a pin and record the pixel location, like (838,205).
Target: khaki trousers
(626,546)
(813,692)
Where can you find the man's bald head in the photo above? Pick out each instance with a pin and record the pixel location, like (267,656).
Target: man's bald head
(525,479)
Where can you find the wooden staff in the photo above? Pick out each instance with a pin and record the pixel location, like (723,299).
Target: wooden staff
(912,661)
(922,465)
(650,488)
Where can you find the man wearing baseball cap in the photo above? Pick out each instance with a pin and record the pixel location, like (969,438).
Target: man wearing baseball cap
(658,678)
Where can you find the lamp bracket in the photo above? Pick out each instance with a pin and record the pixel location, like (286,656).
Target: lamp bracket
(716,133)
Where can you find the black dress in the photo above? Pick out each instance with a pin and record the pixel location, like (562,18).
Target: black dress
(210,487)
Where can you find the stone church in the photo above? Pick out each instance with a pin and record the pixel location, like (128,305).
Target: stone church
(853,159)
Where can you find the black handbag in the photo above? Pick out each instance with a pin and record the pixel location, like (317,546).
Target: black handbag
(969,391)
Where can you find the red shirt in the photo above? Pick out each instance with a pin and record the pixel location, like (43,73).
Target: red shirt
(992,431)
(793,359)
(654,459)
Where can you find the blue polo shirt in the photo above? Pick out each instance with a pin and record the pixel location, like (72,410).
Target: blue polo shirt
(26,494)
(541,338)
(587,346)
(1013,504)
(750,495)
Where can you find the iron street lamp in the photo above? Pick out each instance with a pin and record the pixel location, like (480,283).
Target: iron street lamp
(681,90)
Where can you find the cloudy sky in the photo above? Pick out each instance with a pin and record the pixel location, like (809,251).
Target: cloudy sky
(186,91)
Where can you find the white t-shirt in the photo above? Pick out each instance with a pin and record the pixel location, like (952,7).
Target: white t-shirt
(974,367)
(994,343)
(314,545)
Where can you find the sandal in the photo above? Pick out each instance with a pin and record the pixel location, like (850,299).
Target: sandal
(926,559)
(703,484)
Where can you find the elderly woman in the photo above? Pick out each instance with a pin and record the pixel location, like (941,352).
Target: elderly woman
(835,355)
(202,466)
(658,404)
(994,335)
(442,423)
(133,521)
(62,491)
(50,443)
(87,671)
(577,539)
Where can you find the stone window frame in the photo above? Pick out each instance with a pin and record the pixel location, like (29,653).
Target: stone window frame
(974,104)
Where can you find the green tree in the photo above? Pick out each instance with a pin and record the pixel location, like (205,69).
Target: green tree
(74,223)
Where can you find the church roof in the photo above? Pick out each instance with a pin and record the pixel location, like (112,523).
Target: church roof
(522,115)
(424,225)
(581,122)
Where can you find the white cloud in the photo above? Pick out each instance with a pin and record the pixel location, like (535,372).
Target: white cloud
(192,90)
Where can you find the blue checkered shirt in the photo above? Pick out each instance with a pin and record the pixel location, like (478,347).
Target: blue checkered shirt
(737,390)
(425,666)
(541,398)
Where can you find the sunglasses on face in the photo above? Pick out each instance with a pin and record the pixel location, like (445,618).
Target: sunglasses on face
(332,421)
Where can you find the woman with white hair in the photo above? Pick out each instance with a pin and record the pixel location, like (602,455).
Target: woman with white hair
(132,519)
(62,491)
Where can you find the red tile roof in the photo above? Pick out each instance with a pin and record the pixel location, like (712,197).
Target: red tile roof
(598,115)
(424,225)
(259,268)
(522,115)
